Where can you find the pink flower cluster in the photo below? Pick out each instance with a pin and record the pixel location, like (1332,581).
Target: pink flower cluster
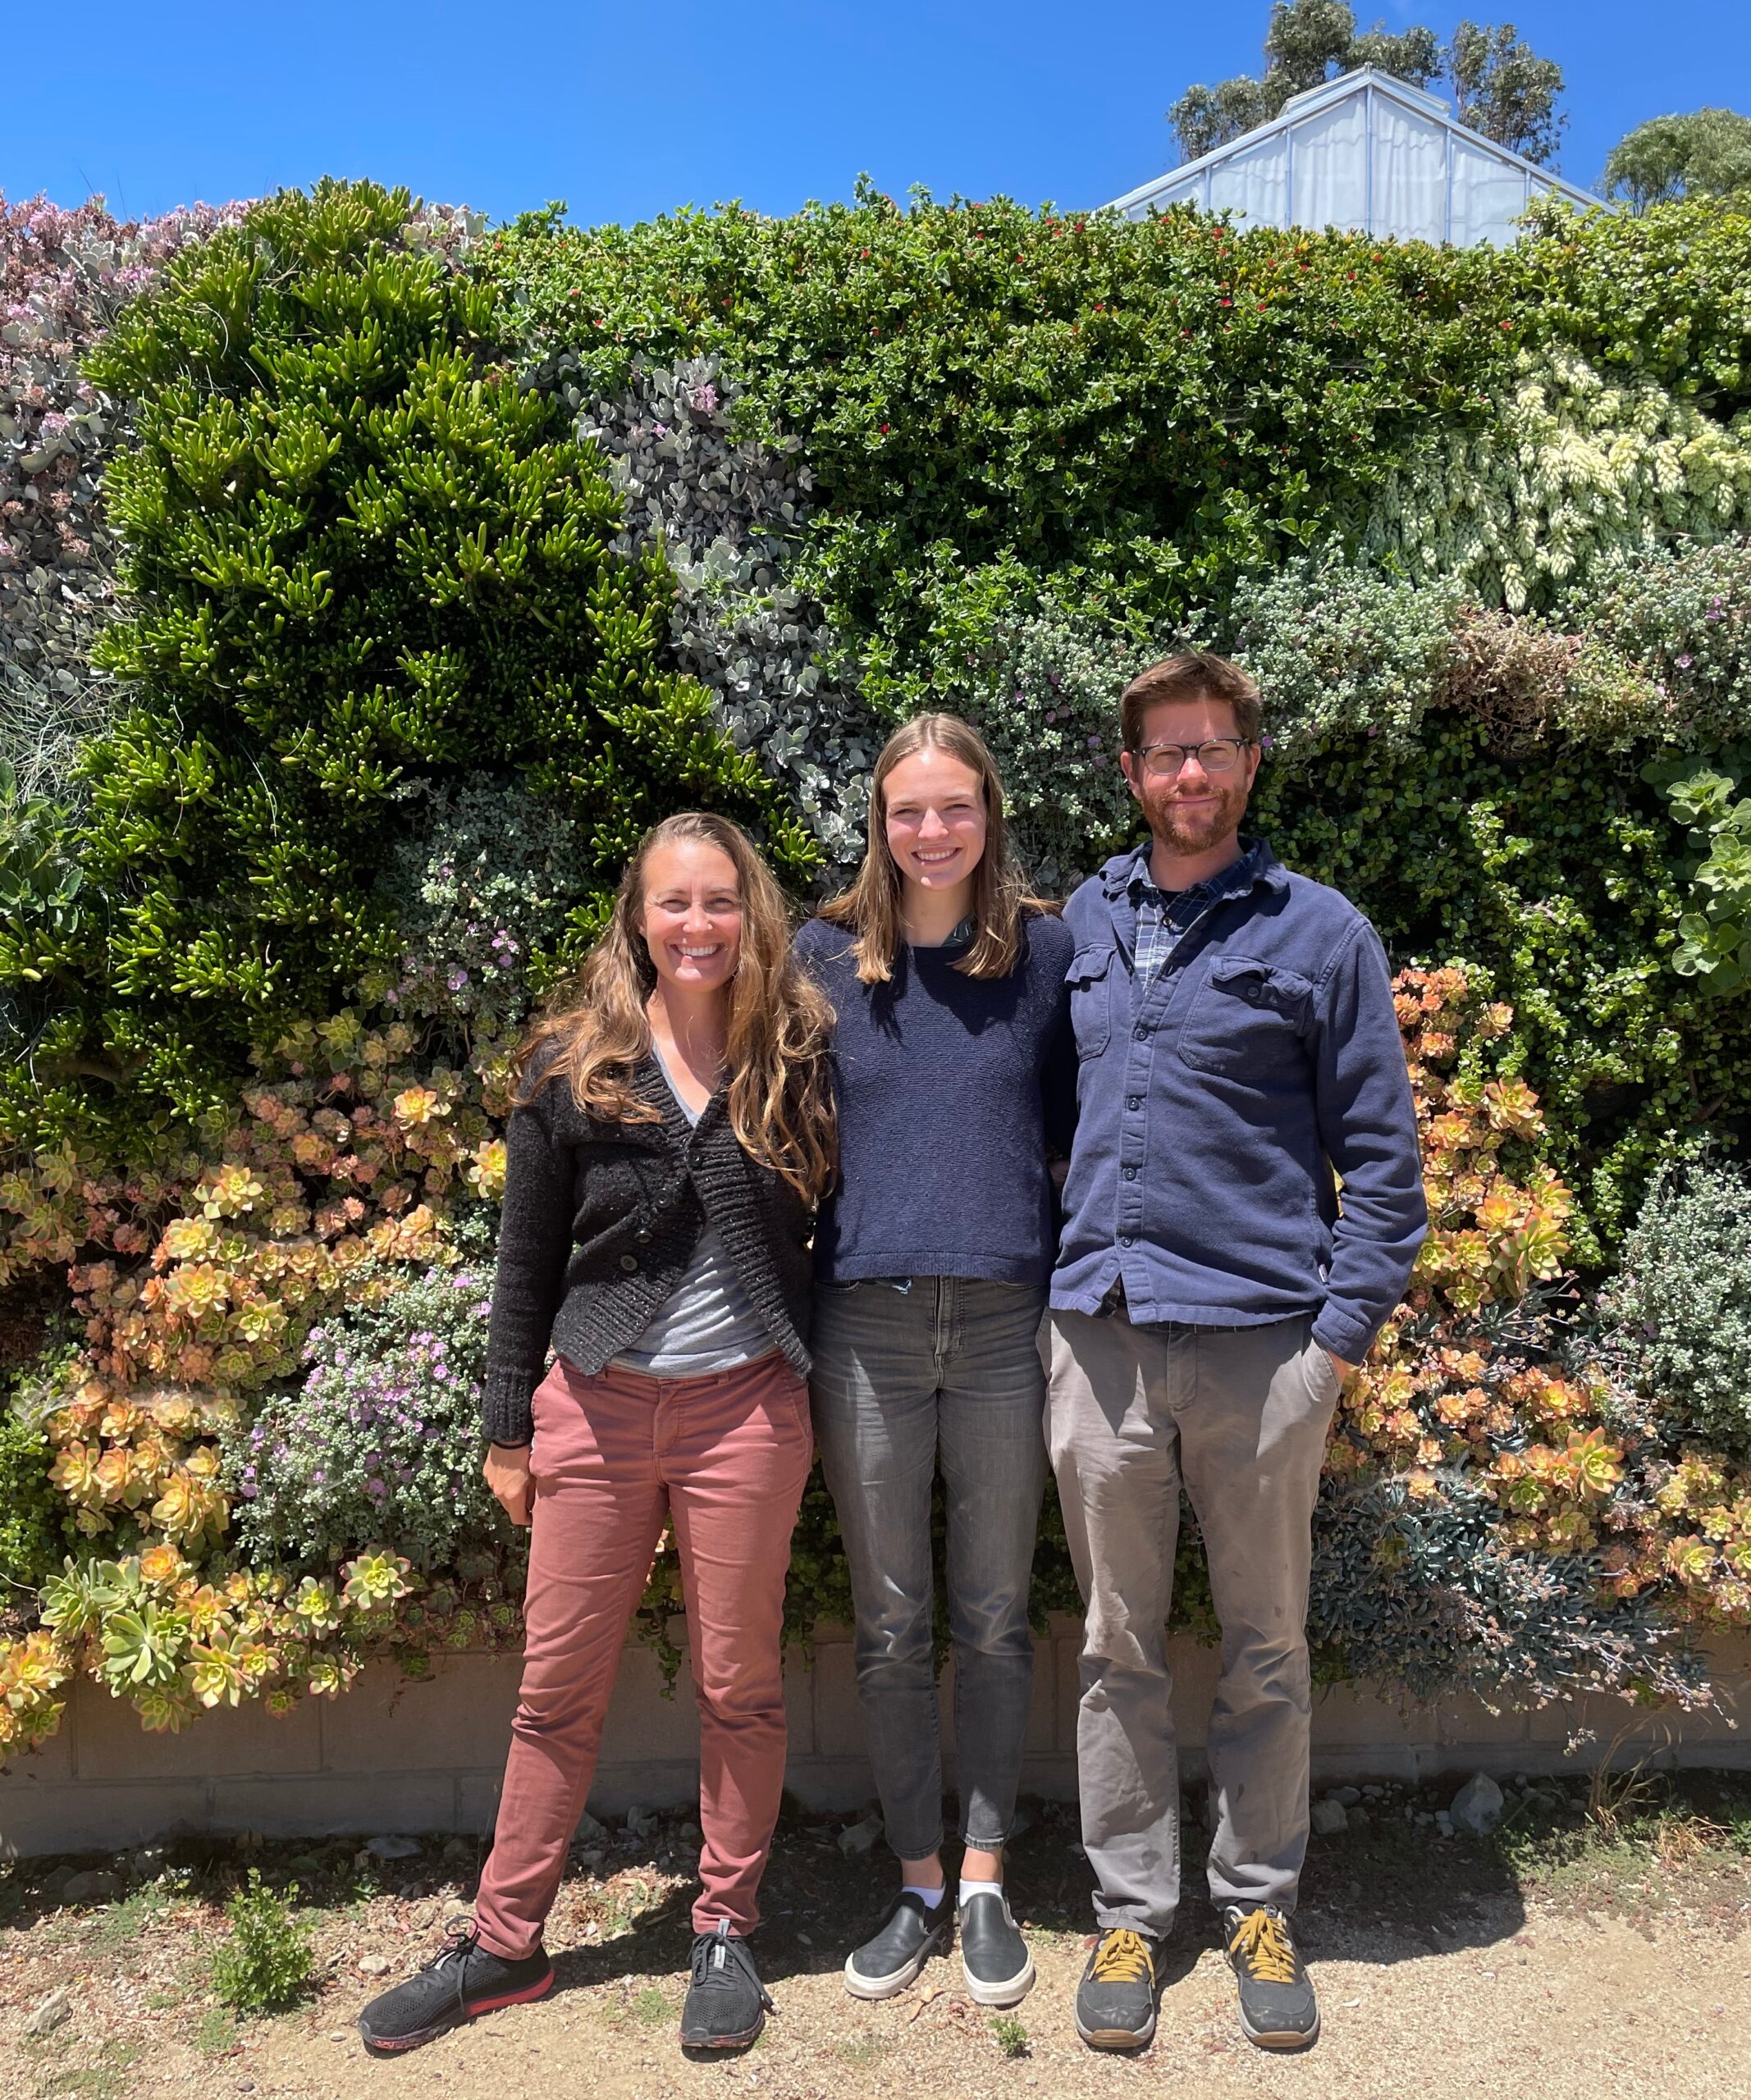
(63,274)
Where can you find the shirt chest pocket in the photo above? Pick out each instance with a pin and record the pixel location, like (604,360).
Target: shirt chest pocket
(1089,980)
(1247,1018)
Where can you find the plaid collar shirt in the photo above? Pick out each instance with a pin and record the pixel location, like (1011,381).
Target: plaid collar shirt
(1164,917)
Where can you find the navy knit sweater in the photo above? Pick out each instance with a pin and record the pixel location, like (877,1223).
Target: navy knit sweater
(951,1090)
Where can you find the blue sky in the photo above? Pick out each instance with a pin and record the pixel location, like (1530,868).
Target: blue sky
(630,110)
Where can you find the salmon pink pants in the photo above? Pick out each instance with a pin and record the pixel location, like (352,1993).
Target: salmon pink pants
(724,1458)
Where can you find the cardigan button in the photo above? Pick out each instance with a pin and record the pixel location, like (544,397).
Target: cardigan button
(629,1263)
(641,1235)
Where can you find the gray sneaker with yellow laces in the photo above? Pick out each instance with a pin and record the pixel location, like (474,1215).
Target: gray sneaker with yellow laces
(1279,2009)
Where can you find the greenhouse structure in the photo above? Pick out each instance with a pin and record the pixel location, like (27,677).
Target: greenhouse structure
(1367,153)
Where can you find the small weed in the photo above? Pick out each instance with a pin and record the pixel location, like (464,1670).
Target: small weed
(129,1918)
(651,2006)
(267,1964)
(106,2079)
(866,2050)
(1009,2035)
(215,2032)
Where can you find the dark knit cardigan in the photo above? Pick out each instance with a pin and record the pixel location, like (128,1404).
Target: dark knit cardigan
(601,1220)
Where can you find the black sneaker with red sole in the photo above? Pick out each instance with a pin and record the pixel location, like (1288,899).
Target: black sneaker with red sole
(458,1985)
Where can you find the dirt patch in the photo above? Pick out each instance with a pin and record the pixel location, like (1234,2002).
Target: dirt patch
(1562,1959)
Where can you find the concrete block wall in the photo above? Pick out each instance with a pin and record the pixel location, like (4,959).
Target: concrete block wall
(396,1754)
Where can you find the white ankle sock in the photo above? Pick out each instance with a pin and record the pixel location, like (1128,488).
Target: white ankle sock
(969,1889)
(931,1896)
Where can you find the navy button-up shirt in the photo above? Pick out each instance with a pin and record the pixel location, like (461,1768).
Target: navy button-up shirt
(1222,1096)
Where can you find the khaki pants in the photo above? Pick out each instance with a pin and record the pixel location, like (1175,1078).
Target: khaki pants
(1238,1416)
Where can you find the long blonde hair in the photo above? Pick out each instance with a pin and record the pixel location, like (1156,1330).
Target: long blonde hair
(1001,897)
(780,1092)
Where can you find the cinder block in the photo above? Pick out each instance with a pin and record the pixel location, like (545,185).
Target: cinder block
(456,1720)
(477,1802)
(1196,1669)
(644,1783)
(1067,1685)
(1382,1761)
(1593,1724)
(97,1816)
(647,1721)
(326,1805)
(52,1762)
(112,1745)
(1467,1723)
(838,1723)
(830,1785)
(1052,1775)
(799,1702)
(1366,1725)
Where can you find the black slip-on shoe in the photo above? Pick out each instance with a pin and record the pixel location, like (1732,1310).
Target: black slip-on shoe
(1279,2009)
(458,1984)
(1116,1998)
(726,2002)
(995,1959)
(913,1932)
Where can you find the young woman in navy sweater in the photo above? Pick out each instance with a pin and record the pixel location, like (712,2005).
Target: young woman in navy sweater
(954,1078)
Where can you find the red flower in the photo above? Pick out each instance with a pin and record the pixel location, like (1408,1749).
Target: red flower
(885,429)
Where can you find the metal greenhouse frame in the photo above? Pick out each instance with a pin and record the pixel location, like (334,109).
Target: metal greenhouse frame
(1371,154)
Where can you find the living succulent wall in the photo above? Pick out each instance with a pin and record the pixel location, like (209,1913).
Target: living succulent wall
(448,557)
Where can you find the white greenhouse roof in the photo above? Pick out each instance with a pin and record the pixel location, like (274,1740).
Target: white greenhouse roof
(1370,154)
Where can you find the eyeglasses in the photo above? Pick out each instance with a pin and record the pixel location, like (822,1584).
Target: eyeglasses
(1164,761)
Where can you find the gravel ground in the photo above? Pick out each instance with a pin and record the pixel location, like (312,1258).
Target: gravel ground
(1566,1957)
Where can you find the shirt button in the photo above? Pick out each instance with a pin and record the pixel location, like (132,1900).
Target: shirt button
(1129,1173)
(1139,1033)
(1133,1101)
(629,1263)
(1124,1239)
(641,1235)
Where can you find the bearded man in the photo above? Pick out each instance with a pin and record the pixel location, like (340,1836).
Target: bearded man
(1239,1062)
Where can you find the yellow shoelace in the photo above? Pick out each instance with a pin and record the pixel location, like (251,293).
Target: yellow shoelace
(1121,1957)
(1263,1943)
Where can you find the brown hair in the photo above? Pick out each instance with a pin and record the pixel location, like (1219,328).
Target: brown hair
(780,1093)
(871,906)
(1199,674)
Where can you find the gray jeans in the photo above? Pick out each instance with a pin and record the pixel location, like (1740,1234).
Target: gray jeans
(1238,1416)
(946,1370)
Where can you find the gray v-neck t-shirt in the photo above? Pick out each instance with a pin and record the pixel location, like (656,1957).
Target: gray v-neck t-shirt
(707,1323)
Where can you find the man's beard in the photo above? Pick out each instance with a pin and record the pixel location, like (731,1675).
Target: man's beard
(1188,831)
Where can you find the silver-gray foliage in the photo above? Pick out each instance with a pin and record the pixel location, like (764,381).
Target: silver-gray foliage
(728,512)
(1681,1304)
(484,885)
(64,276)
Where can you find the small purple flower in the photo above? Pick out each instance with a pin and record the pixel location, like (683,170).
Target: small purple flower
(705,399)
(456,979)
(1684,662)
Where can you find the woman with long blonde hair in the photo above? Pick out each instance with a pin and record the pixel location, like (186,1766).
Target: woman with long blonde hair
(954,1078)
(673,1131)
